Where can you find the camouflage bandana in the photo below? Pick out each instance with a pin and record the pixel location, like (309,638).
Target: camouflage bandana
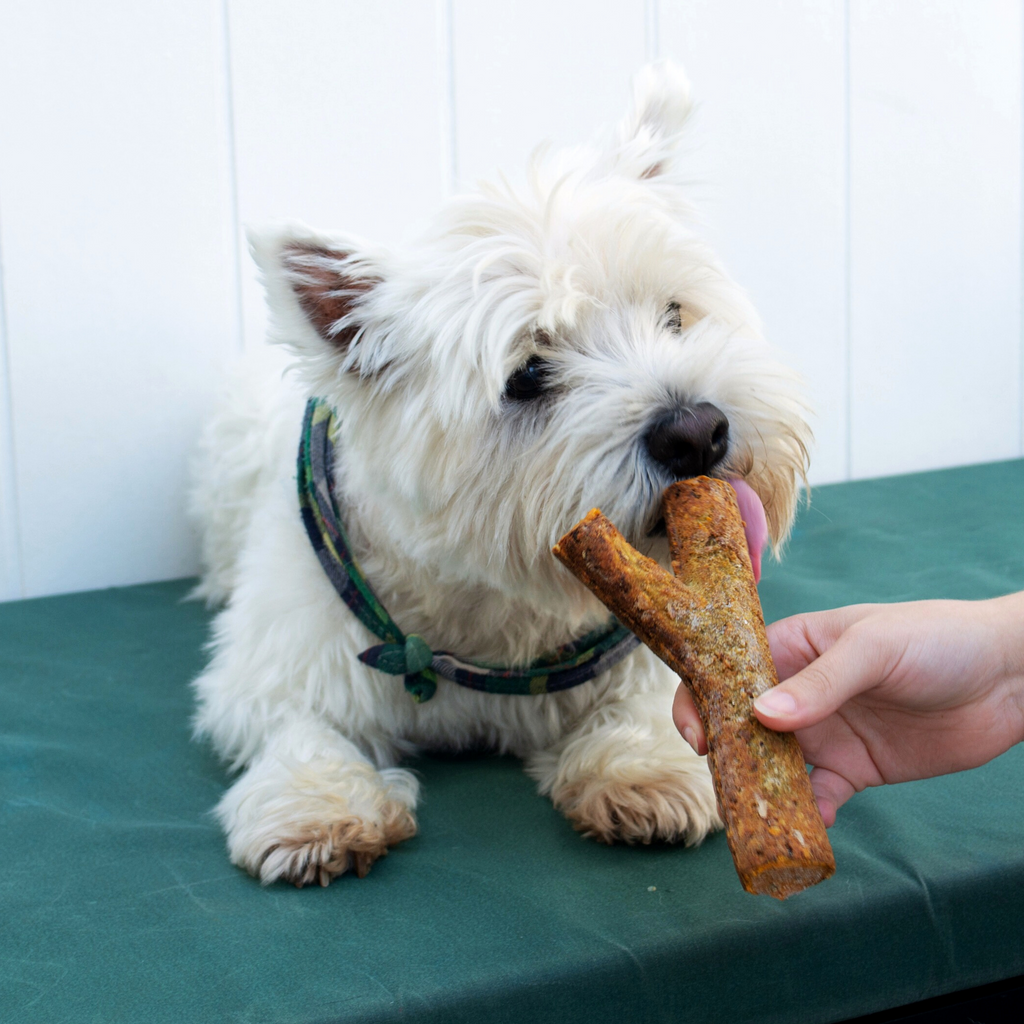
(410,656)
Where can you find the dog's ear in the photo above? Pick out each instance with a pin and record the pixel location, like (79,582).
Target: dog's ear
(645,140)
(316,286)
(328,284)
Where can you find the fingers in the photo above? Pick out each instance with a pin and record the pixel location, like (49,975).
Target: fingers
(853,664)
(797,641)
(803,647)
(831,791)
(684,714)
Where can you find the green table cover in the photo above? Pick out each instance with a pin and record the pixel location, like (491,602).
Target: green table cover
(117,901)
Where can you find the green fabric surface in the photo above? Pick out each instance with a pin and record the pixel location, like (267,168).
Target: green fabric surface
(117,901)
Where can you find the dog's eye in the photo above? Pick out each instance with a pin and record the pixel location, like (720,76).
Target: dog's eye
(528,381)
(679,318)
(674,318)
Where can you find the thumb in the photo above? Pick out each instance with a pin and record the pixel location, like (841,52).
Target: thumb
(850,666)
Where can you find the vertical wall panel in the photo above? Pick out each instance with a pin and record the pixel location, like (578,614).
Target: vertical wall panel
(769,164)
(10,556)
(338,114)
(116,250)
(935,243)
(539,70)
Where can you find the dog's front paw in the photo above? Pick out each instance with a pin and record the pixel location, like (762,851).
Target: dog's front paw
(310,822)
(318,853)
(639,801)
(639,811)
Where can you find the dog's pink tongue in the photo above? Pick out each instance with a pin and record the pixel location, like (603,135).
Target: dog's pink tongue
(754,522)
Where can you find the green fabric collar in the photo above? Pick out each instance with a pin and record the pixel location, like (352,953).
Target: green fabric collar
(410,656)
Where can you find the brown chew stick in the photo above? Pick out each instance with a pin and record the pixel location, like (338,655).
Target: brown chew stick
(707,625)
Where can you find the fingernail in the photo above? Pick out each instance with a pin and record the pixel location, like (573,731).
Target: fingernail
(691,737)
(776,702)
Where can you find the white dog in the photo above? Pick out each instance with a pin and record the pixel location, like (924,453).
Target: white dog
(537,354)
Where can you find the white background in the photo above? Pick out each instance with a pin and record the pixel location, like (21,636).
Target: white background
(861,169)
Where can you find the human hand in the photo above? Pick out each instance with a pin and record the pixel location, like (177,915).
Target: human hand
(888,693)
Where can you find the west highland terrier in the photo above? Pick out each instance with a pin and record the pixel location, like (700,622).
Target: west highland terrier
(379,522)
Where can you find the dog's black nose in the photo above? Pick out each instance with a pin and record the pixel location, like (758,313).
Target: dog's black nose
(690,442)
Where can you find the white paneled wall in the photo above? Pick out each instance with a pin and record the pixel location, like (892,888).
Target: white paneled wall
(341,120)
(118,281)
(859,162)
(935,233)
(770,81)
(534,70)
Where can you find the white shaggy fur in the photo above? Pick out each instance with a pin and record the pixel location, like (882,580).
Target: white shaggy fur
(453,495)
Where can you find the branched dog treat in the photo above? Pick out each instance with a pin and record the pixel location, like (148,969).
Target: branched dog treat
(706,624)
